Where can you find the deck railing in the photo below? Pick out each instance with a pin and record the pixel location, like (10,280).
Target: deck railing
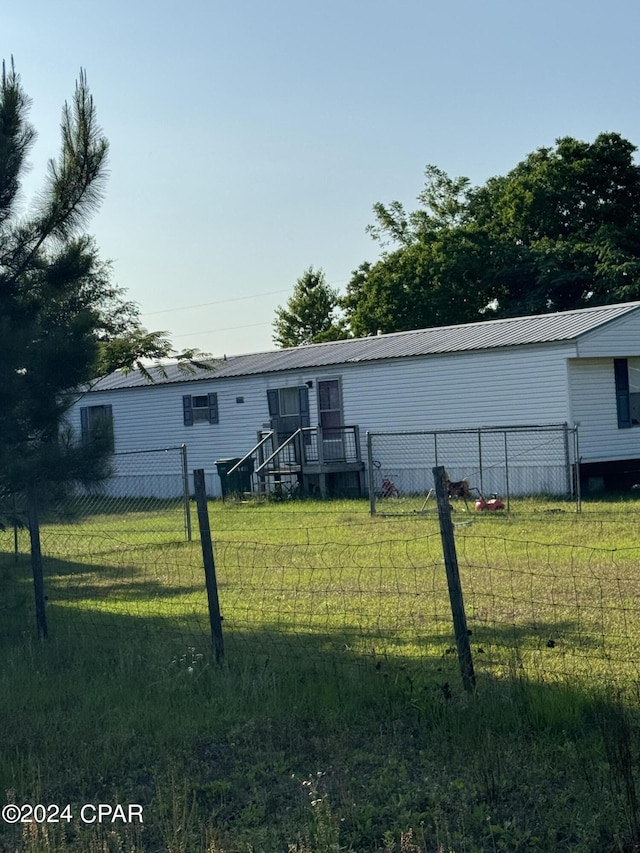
(306,447)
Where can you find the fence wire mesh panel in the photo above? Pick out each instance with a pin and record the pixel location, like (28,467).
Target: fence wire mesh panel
(533,609)
(358,591)
(552,611)
(122,584)
(334,600)
(148,490)
(510,463)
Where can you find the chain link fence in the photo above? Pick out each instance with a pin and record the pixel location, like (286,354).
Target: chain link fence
(147,494)
(153,485)
(512,463)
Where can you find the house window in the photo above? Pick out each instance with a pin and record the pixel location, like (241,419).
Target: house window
(289,401)
(200,408)
(96,423)
(627,379)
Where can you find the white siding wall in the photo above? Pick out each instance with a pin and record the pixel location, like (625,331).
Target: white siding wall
(594,409)
(151,417)
(524,385)
(620,338)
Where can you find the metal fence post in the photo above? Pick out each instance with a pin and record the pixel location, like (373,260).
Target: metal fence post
(567,459)
(453,581)
(215,619)
(577,469)
(506,470)
(185,492)
(372,487)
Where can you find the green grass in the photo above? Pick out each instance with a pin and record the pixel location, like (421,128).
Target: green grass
(337,721)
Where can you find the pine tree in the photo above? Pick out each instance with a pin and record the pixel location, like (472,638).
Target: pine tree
(62,322)
(310,315)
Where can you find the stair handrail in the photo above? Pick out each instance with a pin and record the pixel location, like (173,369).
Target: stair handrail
(251,452)
(278,450)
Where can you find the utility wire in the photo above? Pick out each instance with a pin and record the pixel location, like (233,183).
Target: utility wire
(225,329)
(223,301)
(217,302)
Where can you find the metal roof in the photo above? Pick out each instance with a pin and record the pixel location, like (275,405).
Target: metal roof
(489,334)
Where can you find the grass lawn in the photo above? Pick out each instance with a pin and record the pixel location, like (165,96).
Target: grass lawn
(337,720)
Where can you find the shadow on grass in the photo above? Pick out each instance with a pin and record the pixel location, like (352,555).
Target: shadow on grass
(89,600)
(134,590)
(503,652)
(336,700)
(181,642)
(69,581)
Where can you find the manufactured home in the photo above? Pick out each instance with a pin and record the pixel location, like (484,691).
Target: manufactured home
(301,416)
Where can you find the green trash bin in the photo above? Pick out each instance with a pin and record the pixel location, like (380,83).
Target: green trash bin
(237,483)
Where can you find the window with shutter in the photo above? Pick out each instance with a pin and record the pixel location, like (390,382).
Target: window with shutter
(200,408)
(633,375)
(623,401)
(626,373)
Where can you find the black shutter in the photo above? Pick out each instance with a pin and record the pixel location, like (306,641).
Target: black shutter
(187,410)
(213,408)
(84,424)
(108,425)
(303,396)
(273,401)
(623,399)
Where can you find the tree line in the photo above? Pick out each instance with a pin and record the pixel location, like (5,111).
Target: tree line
(559,231)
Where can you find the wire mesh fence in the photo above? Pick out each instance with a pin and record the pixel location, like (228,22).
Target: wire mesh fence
(117,584)
(513,463)
(359,591)
(546,611)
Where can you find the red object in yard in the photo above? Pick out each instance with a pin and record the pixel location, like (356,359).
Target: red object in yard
(389,489)
(492,504)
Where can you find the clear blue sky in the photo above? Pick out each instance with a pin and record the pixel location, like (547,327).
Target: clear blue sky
(250,139)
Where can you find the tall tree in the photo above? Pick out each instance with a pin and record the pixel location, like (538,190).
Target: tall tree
(431,271)
(565,226)
(431,282)
(559,231)
(310,315)
(62,321)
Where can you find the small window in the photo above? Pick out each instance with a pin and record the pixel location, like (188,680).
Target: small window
(200,408)
(289,401)
(96,424)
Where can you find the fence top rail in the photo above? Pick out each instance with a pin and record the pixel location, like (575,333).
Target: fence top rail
(148,450)
(476,430)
